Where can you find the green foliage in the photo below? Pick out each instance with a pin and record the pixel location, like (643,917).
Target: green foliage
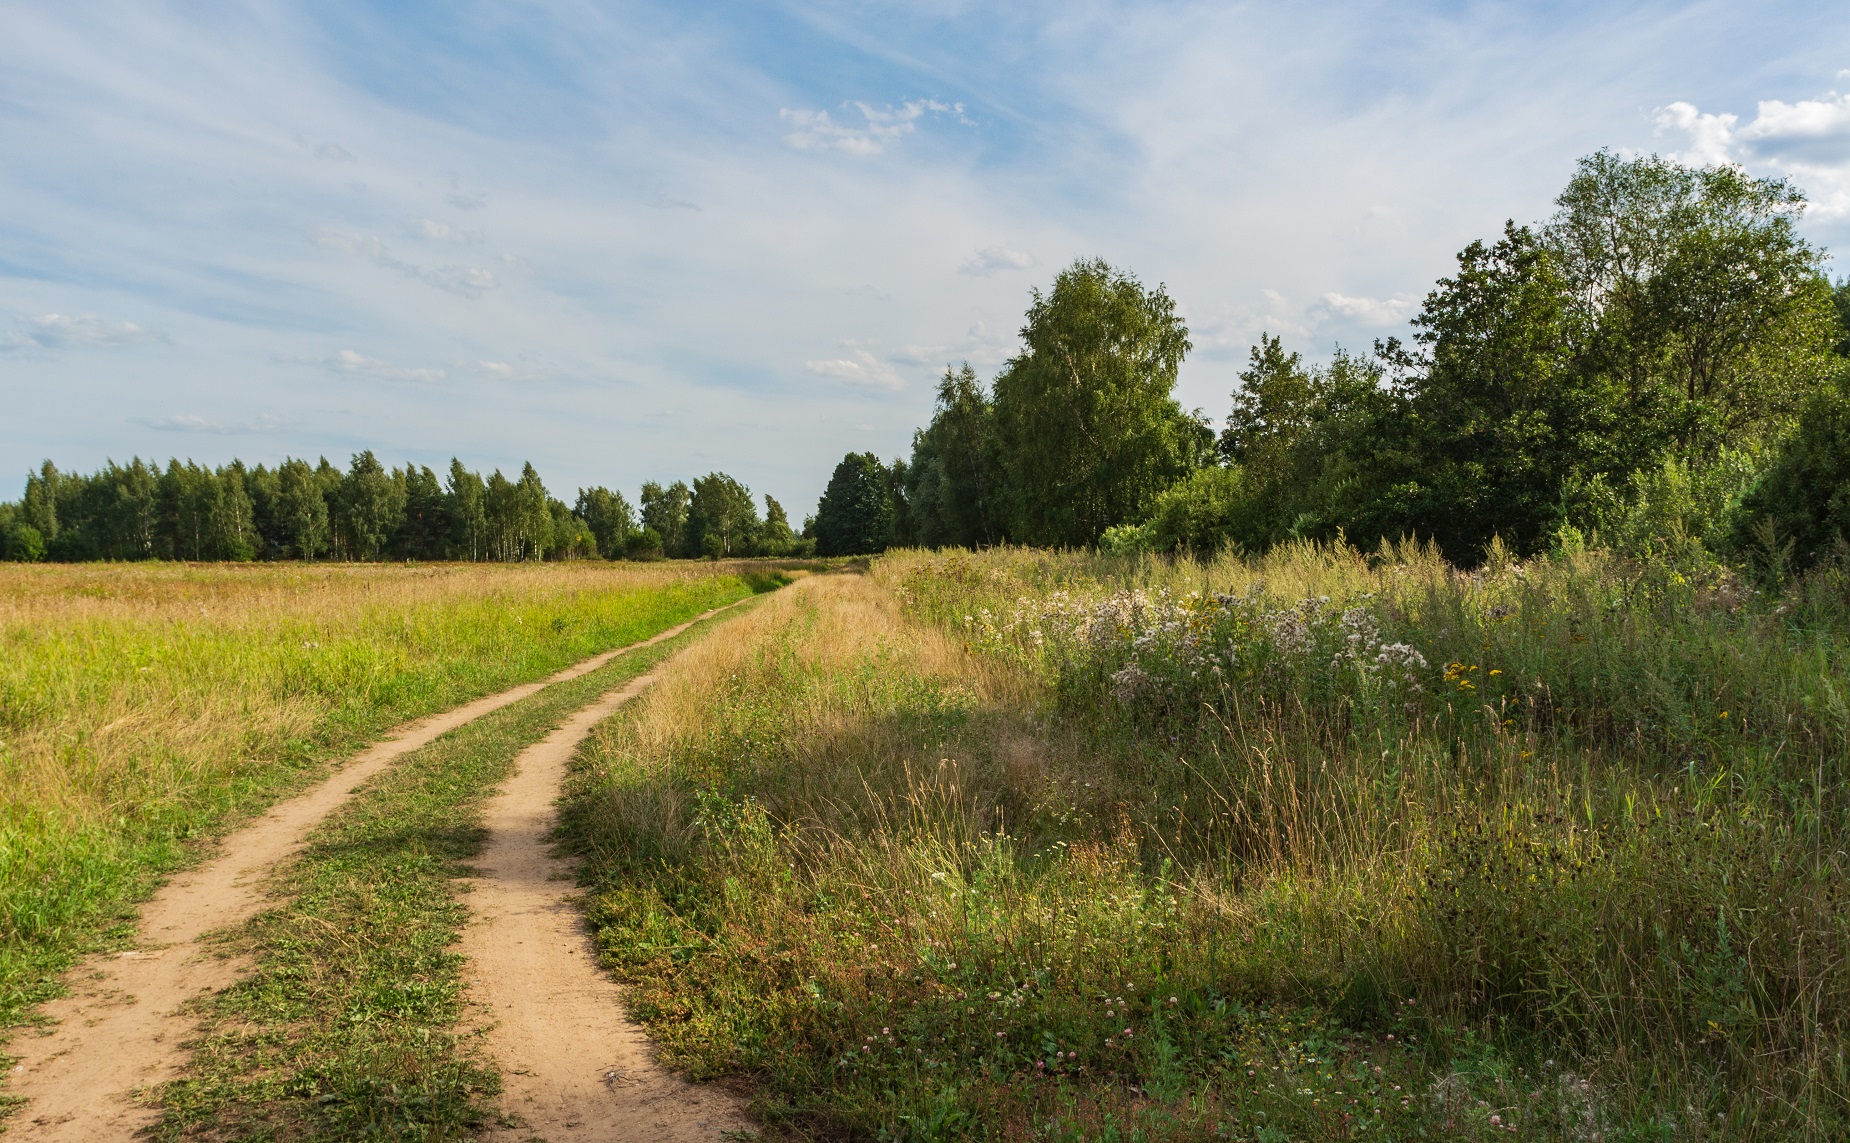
(954,484)
(1086,429)
(664,512)
(855,516)
(1800,508)
(775,537)
(722,519)
(610,519)
(1208,510)
(371,507)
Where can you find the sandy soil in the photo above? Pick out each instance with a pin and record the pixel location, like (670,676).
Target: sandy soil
(574,1067)
(120,1030)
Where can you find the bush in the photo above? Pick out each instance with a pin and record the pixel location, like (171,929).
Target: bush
(643,545)
(1200,514)
(1800,507)
(21,543)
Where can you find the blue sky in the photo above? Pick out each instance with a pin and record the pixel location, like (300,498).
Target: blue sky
(646,241)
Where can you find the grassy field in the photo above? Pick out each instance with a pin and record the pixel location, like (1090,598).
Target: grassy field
(1028,846)
(145,707)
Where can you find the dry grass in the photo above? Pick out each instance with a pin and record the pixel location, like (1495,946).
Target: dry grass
(893,856)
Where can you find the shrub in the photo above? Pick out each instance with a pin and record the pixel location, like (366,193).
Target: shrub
(1803,499)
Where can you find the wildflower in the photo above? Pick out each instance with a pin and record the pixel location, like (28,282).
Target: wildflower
(1496,1121)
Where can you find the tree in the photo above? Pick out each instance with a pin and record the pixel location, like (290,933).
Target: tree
(1271,408)
(332,484)
(610,519)
(372,505)
(570,537)
(722,519)
(954,482)
(1695,300)
(423,531)
(1499,420)
(466,505)
(855,516)
(301,509)
(664,511)
(1088,432)
(775,537)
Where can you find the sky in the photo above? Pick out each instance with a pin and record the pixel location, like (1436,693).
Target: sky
(646,241)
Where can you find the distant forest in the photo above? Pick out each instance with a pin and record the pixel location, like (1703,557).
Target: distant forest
(1661,368)
(299,511)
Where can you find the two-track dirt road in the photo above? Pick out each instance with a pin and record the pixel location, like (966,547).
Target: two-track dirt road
(122,1028)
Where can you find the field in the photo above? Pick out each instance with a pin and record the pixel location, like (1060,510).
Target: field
(145,708)
(1034,846)
(1014,845)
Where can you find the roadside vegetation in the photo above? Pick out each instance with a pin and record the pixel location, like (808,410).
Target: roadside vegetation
(144,709)
(1311,846)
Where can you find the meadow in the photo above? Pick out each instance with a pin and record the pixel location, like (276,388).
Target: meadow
(1322,844)
(146,708)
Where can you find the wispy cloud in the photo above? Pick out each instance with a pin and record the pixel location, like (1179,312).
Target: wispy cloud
(1807,140)
(431,229)
(464,281)
(879,127)
(991,259)
(350,361)
(1371,311)
(189,423)
(858,368)
(77,331)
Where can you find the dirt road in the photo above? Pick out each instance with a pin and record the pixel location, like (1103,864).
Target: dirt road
(574,1068)
(121,1030)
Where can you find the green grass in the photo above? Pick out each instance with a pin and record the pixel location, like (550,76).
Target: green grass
(924,855)
(145,709)
(351,1024)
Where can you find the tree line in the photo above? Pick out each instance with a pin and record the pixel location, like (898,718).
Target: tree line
(1659,365)
(299,511)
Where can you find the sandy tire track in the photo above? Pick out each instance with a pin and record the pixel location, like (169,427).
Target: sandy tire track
(574,1067)
(120,1030)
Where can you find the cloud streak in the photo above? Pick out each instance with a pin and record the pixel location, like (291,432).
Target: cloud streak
(878,129)
(463,281)
(78,331)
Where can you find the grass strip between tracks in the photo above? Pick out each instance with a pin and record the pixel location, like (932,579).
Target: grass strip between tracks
(353,1022)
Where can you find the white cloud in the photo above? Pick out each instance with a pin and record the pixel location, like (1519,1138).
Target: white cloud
(1371,311)
(350,361)
(189,423)
(443,232)
(990,259)
(1807,141)
(859,368)
(505,370)
(465,281)
(335,152)
(77,331)
(815,130)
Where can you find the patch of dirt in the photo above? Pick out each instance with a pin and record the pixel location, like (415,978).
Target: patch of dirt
(573,1066)
(120,1030)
